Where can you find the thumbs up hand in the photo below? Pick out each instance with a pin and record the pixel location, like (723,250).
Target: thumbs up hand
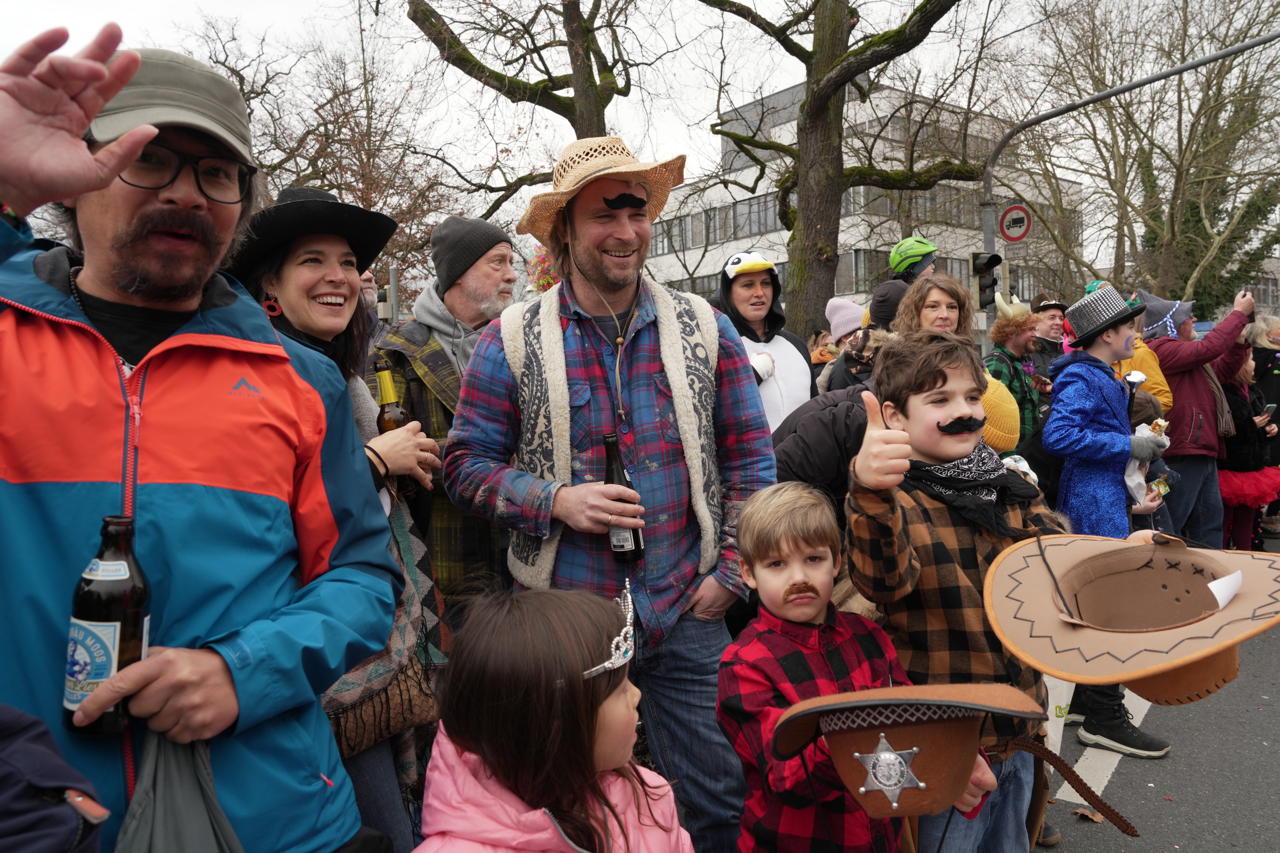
(885,454)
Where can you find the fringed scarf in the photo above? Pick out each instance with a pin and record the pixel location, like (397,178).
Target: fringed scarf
(977,486)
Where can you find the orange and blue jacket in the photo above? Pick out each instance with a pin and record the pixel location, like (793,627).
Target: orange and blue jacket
(256,524)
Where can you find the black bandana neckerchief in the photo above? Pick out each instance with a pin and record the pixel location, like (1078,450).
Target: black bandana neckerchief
(977,486)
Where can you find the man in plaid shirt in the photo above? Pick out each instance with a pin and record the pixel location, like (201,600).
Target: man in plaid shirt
(609,352)
(800,647)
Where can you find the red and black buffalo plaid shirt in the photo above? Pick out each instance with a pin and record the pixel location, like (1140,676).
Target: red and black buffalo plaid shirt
(801,804)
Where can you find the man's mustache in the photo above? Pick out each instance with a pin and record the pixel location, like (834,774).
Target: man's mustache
(962,425)
(198,227)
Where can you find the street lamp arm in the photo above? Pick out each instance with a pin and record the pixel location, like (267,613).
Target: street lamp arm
(988,203)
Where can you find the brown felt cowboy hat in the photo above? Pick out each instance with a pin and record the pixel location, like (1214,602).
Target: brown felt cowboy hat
(1093,610)
(901,750)
(585,160)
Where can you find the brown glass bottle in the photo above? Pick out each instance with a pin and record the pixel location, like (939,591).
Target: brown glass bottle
(627,544)
(390,414)
(110,624)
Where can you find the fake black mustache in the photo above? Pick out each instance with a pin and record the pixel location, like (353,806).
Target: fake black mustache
(625,200)
(962,425)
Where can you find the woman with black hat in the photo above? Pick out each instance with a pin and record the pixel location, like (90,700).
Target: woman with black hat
(303,261)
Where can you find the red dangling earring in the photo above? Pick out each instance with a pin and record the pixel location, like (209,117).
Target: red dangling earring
(271,307)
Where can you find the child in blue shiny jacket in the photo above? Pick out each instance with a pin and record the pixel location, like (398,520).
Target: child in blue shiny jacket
(1089,427)
(1089,423)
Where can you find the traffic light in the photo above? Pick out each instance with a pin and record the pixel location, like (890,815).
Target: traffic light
(984,269)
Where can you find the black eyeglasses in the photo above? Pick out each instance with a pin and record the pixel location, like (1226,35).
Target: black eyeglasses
(221,179)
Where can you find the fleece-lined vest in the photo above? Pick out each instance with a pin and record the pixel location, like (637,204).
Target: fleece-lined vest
(689,340)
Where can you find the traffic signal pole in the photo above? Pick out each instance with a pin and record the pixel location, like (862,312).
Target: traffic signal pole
(988,203)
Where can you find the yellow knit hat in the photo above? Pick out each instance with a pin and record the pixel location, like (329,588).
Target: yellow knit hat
(1003,419)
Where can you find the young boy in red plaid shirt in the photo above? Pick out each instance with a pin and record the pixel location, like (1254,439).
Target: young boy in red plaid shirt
(797,648)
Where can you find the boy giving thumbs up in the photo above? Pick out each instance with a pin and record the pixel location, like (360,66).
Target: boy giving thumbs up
(929,507)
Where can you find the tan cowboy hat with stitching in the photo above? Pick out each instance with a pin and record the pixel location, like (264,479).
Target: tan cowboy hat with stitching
(583,161)
(901,751)
(1094,610)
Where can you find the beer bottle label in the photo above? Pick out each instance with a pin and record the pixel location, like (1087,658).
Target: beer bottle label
(107,570)
(620,539)
(92,655)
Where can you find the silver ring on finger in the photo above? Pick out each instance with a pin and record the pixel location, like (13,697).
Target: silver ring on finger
(609,521)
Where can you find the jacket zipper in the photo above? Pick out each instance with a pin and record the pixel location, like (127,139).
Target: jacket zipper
(130,389)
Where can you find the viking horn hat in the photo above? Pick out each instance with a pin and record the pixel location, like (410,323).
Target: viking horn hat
(1163,619)
(1010,309)
(901,750)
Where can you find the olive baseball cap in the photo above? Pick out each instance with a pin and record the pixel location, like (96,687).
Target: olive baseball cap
(170,89)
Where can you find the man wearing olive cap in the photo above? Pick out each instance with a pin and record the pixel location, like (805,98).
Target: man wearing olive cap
(152,386)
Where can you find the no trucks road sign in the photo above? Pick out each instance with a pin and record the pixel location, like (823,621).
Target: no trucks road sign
(1015,223)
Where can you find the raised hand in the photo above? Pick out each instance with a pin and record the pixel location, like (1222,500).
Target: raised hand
(46,104)
(885,454)
(1244,302)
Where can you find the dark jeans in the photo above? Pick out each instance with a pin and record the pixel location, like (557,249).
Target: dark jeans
(1195,504)
(678,685)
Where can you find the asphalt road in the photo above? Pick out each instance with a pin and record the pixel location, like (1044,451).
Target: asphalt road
(1217,789)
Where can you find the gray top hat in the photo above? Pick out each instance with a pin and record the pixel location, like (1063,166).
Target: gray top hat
(1097,312)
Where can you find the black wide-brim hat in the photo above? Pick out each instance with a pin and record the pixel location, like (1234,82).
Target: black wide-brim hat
(300,211)
(1099,311)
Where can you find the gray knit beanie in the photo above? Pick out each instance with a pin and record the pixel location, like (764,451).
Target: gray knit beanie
(459,242)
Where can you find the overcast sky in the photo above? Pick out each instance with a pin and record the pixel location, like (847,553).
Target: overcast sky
(149,21)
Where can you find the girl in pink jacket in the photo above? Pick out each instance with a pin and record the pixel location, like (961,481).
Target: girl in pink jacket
(538,723)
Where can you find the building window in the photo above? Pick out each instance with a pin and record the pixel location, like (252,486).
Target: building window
(719,224)
(755,215)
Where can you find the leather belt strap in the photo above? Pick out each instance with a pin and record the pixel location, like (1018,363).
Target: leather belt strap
(1073,779)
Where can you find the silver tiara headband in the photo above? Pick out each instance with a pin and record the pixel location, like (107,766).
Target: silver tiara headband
(623,646)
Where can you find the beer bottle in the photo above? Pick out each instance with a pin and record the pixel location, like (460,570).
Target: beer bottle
(110,624)
(627,544)
(390,414)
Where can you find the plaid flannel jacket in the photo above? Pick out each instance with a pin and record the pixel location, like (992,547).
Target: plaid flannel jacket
(801,804)
(427,385)
(1006,368)
(486,428)
(924,566)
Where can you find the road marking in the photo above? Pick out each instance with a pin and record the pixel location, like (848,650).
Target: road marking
(1096,765)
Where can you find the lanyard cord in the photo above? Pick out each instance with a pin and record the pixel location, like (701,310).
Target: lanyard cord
(619,341)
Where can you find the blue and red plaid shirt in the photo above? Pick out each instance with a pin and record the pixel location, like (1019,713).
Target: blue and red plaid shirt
(486,428)
(801,804)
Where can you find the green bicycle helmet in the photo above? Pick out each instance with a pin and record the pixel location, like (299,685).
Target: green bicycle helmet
(910,257)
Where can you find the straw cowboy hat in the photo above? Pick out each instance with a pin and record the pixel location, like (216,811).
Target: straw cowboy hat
(585,160)
(901,751)
(1093,610)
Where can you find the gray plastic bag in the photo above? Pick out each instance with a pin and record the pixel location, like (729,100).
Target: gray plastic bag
(174,805)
